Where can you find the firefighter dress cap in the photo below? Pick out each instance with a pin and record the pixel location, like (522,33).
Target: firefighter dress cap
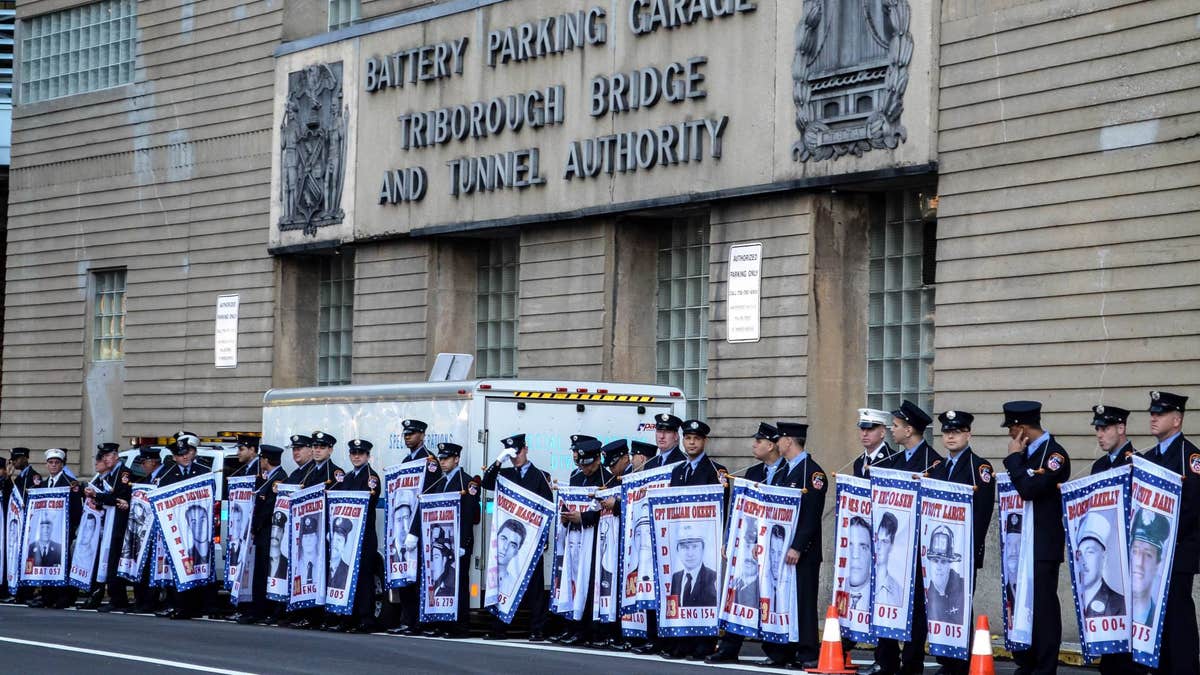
(1022,412)
(184,443)
(695,428)
(308,525)
(148,452)
(589,451)
(279,519)
(1165,401)
(871,417)
(248,440)
(414,426)
(956,420)
(1151,528)
(1107,415)
(913,415)
(767,432)
(1094,526)
(688,532)
(792,430)
(614,451)
(270,452)
(320,438)
(576,439)
(667,422)
(56,453)
(358,446)
(342,526)
(514,442)
(941,545)
(105,448)
(18,452)
(300,440)
(643,448)
(447,450)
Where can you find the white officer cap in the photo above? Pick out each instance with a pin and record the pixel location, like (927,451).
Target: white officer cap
(1094,526)
(56,453)
(869,417)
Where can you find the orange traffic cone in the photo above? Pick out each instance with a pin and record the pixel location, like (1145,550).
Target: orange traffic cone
(832,659)
(981,649)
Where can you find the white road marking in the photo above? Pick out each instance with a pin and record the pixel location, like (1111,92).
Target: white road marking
(126,657)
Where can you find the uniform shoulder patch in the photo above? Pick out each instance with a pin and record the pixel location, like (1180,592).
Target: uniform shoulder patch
(818,480)
(339,475)
(1194,463)
(985,473)
(373,482)
(473,489)
(1055,462)
(431,465)
(37,480)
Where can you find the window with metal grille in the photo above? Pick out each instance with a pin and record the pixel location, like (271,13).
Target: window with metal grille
(900,343)
(108,315)
(77,50)
(335,345)
(682,335)
(343,13)
(496,309)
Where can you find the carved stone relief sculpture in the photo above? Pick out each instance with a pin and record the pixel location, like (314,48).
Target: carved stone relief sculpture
(312,149)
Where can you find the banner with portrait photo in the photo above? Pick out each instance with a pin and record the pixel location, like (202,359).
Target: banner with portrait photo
(240,504)
(1096,512)
(14,530)
(403,485)
(606,567)
(439,514)
(637,556)
(278,588)
(1016,570)
(520,525)
(45,537)
(184,514)
(853,558)
(687,526)
(895,498)
(136,545)
(948,564)
(1153,531)
(758,588)
(162,572)
(85,549)
(106,544)
(573,545)
(306,547)
(347,521)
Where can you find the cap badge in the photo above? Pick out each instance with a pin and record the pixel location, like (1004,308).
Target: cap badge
(695,425)
(1154,395)
(1099,411)
(950,414)
(1147,517)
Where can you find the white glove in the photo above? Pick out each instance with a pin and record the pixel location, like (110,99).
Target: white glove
(461,552)
(507,454)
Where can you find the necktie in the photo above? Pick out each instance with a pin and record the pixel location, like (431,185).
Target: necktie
(309,576)
(687,587)
(950,469)
(687,475)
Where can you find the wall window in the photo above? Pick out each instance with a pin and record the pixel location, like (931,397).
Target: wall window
(336,331)
(108,315)
(342,13)
(78,50)
(8,13)
(496,309)
(900,348)
(682,335)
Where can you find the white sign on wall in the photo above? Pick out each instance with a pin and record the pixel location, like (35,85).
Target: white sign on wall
(743,293)
(226,333)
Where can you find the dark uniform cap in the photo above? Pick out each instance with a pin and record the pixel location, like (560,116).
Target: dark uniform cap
(442,542)
(589,451)
(18,452)
(278,518)
(767,432)
(1165,401)
(342,526)
(359,446)
(613,451)
(643,448)
(411,426)
(667,422)
(308,525)
(792,430)
(576,439)
(1022,412)
(1107,415)
(447,450)
(913,415)
(941,545)
(696,428)
(516,442)
(271,452)
(105,448)
(149,452)
(248,440)
(1152,528)
(320,438)
(956,420)
(1014,523)
(300,440)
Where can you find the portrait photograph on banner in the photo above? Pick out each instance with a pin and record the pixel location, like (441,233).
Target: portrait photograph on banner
(85,551)
(637,560)
(1096,510)
(854,558)
(45,537)
(947,527)
(687,528)
(306,547)
(184,514)
(895,497)
(606,584)
(280,552)
(1153,533)
(136,546)
(240,504)
(162,570)
(106,544)
(347,519)
(439,589)
(403,485)
(14,529)
(1016,568)
(519,529)
(572,554)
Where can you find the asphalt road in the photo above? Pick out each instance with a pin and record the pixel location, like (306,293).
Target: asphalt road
(62,641)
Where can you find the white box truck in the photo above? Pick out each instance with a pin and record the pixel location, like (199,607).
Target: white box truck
(476,414)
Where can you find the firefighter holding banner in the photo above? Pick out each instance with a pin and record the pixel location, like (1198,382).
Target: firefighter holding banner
(414,440)
(362,478)
(112,488)
(591,473)
(453,479)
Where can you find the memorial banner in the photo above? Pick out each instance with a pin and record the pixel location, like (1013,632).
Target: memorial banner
(853,558)
(895,499)
(106,543)
(241,511)
(1153,532)
(306,547)
(85,550)
(162,572)
(136,546)
(1096,516)
(520,525)
(439,556)
(759,586)
(45,537)
(687,527)
(637,592)
(948,565)
(403,485)
(279,555)
(606,586)
(184,514)
(347,525)
(14,530)
(573,545)
(1016,572)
